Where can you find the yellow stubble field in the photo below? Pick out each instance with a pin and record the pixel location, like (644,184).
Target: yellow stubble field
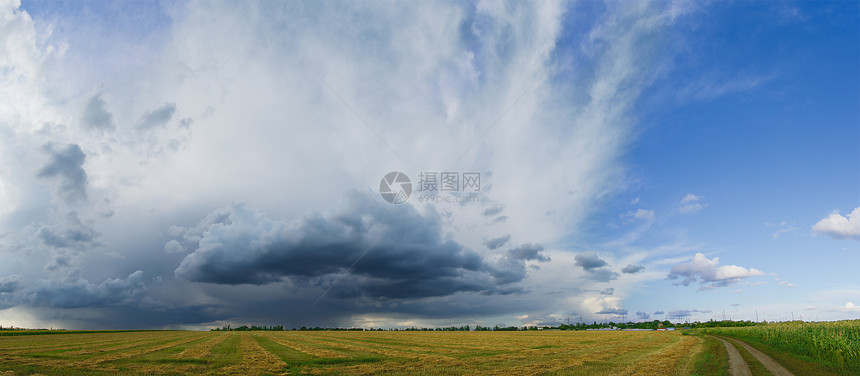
(350,353)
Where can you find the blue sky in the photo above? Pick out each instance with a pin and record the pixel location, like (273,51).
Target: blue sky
(193,164)
(766,155)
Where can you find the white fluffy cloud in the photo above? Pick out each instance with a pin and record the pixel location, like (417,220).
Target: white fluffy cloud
(837,226)
(709,274)
(849,307)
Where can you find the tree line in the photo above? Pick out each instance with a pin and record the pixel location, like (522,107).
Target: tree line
(479,328)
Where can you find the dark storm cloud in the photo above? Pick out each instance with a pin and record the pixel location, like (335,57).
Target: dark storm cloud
(157,117)
(368,249)
(512,266)
(67,164)
(10,283)
(128,317)
(589,261)
(593,265)
(528,252)
(601,275)
(612,311)
(70,234)
(295,306)
(497,242)
(66,241)
(96,115)
(62,261)
(77,293)
(632,269)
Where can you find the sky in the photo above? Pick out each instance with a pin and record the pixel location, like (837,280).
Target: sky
(188,165)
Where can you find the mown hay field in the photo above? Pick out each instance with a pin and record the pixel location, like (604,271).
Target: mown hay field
(350,353)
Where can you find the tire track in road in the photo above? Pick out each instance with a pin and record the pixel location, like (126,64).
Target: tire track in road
(772,366)
(737,365)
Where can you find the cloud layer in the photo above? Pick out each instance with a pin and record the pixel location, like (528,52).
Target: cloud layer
(709,274)
(187,169)
(367,248)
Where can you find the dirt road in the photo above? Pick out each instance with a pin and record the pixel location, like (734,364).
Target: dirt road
(739,367)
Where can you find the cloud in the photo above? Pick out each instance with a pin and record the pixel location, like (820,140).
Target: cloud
(67,164)
(839,227)
(607,291)
(709,274)
(640,214)
(529,252)
(602,275)
(643,315)
(497,242)
(690,198)
(493,211)
(680,313)
(96,115)
(612,311)
(80,293)
(71,233)
(10,283)
(282,130)
(157,117)
(589,261)
(784,229)
(659,312)
(715,86)
(593,265)
(366,249)
(691,204)
(849,307)
(632,269)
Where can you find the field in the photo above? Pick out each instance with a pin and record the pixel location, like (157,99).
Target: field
(351,353)
(832,345)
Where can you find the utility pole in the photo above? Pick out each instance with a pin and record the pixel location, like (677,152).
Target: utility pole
(756,315)
(792,315)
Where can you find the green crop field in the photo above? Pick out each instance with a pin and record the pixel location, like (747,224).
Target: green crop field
(350,353)
(833,345)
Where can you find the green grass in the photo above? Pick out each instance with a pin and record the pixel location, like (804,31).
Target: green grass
(713,360)
(225,353)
